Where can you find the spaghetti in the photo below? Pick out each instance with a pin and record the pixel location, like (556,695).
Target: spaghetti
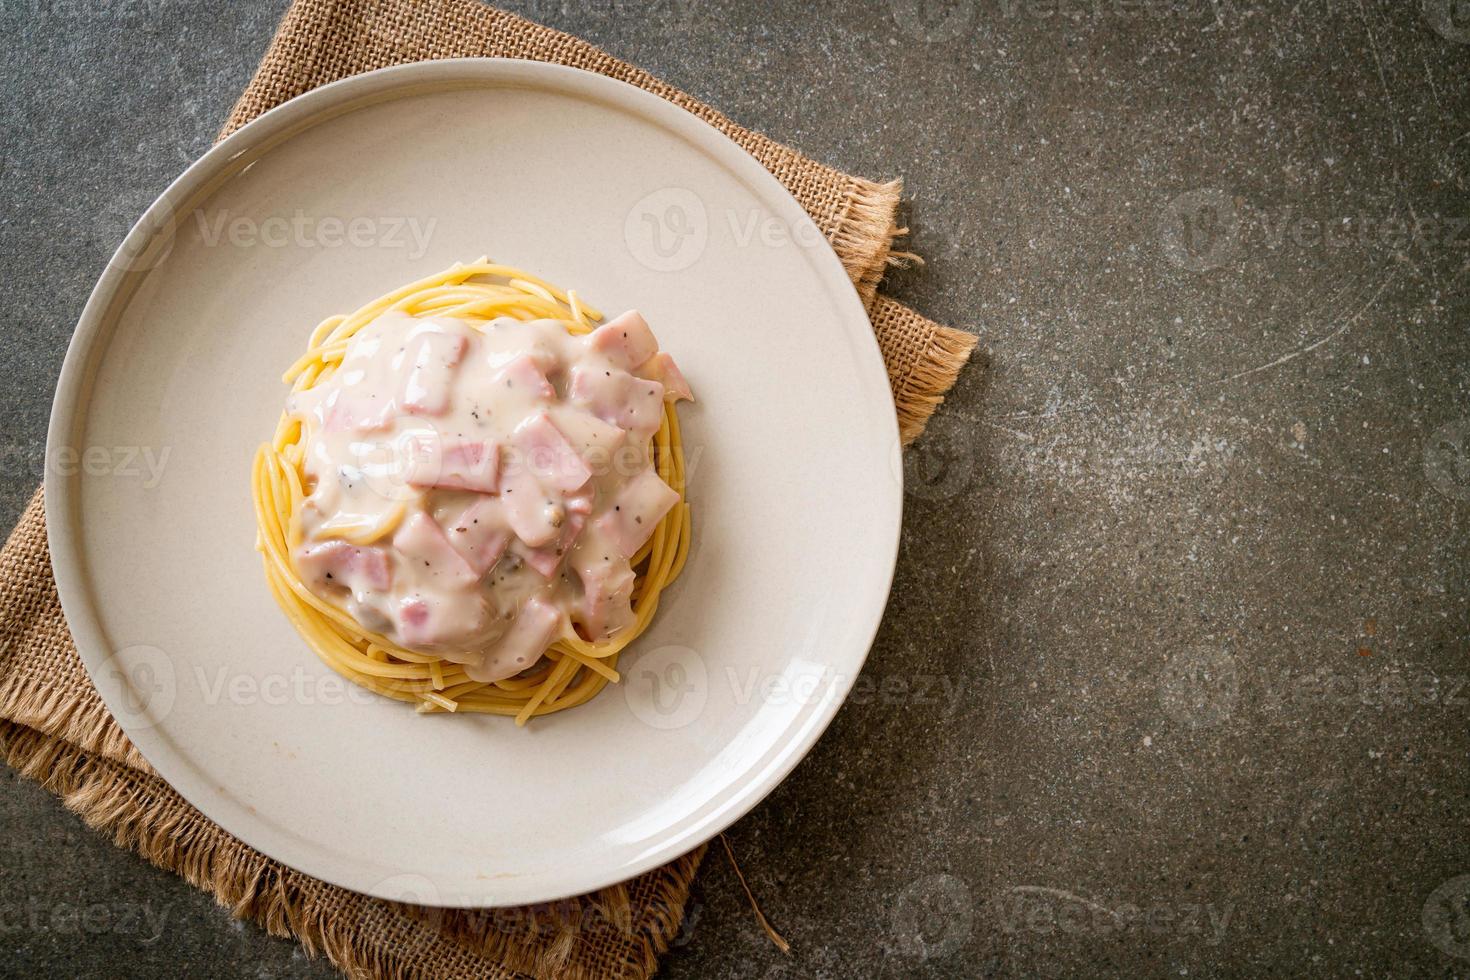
(575,666)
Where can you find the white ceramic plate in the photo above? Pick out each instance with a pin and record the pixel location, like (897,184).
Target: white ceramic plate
(172,380)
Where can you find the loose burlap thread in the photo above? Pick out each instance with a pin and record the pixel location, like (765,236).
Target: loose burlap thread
(54,728)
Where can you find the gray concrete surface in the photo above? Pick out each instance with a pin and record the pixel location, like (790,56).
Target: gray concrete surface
(1174,676)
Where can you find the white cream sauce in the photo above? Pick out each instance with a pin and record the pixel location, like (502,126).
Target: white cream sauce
(520,458)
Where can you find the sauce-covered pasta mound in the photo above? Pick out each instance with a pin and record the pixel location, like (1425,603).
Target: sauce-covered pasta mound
(477,488)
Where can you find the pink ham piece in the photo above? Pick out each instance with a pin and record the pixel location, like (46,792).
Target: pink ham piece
(349,411)
(454,465)
(547,559)
(523,374)
(607,595)
(340,563)
(553,461)
(625,341)
(479,533)
(661,368)
(430,621)
(421,541)
(636,511)
(534,629)
(433,355)
(350,405)
(594,439)
(414,628)
(531,512)
(620,399)
(441,621)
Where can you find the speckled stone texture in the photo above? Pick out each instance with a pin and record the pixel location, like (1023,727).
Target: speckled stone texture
(1175,679)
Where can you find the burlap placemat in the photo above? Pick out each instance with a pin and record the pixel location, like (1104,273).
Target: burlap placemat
(55,729)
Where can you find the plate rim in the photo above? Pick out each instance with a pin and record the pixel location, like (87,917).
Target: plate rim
(70,405)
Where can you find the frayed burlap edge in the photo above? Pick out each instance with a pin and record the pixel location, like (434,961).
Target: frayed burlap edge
(31,694)
(60,714)
(918,384)
(662,913)
(361,936)
(865,234)
(924,389)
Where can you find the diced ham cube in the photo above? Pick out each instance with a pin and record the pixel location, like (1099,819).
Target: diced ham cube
(422,543)
(661,368)
(533,514)
(432,355)
(468,465)
(414,628)
(548,558)
(471,466)
(348,411)
(448,622)
(479,533)
(349,404)
(524,375)
(545,452)
(635,511)
(607,595)
(339,563)
(534,629)
(616,397)
(625,341)
(593,438)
